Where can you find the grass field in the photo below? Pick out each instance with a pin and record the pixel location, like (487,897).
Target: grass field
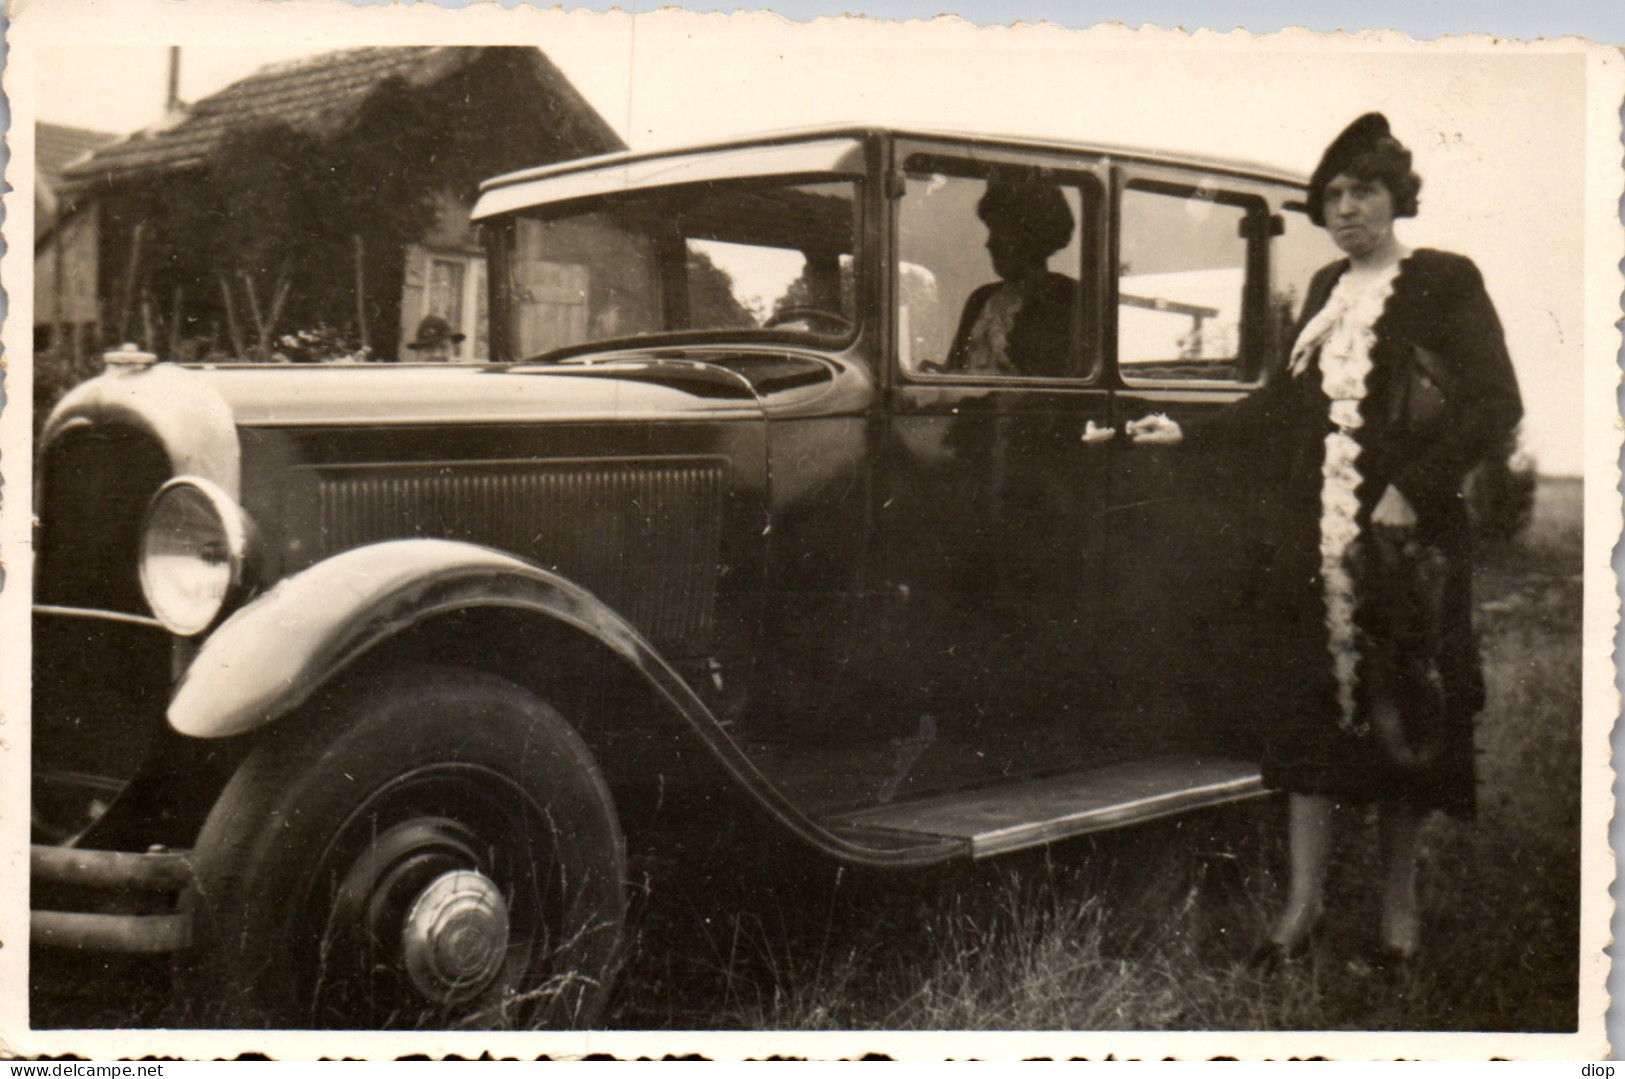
(1145,928)
(1148,928)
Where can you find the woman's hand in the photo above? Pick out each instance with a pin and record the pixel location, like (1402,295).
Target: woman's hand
(1154,430)
(1093,435)
(1394,511)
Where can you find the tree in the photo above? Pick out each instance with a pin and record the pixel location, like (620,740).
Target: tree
(712,304)
(285,229)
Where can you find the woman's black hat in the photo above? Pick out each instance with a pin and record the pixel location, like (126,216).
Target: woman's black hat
(1365,138)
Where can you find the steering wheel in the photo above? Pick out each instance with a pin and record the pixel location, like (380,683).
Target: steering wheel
(817,319)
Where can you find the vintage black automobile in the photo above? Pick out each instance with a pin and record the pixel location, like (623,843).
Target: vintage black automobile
(346,675)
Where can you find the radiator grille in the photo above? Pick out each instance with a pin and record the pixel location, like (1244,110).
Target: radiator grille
(642,535)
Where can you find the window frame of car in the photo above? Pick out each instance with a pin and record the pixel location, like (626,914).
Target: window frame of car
(1088,172)
(1291,205)
(1263,200)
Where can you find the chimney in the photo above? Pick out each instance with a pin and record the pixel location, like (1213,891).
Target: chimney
(175,110)
(173,102)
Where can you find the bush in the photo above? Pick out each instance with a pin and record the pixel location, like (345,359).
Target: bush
(54,375)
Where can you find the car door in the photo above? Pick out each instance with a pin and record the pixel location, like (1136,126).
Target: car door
(989,497)
(1194,549)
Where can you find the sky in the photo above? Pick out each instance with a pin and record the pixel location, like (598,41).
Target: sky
(1498,137)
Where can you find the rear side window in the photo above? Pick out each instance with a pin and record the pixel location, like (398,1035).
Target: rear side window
(1183,282)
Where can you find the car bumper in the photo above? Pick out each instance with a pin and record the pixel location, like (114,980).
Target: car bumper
(109,901)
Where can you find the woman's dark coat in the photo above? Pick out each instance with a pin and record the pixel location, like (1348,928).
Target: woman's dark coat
(1438,303)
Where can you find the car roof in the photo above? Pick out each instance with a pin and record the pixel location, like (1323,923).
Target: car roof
(827,150)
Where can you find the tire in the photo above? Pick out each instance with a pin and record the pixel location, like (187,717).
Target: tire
(435,850)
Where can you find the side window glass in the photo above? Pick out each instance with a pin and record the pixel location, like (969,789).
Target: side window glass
(1182,284)
(989,279)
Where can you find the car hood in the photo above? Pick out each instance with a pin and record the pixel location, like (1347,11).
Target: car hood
(446,393)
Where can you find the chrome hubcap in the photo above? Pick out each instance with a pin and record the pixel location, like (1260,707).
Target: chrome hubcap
(454,939)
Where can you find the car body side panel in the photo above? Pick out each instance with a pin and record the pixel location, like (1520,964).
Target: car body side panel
(992,544)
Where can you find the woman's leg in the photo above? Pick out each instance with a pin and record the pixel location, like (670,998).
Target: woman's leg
(1310,840)
(1399,826)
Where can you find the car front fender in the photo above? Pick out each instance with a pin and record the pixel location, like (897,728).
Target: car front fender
(273,654)
(278,651)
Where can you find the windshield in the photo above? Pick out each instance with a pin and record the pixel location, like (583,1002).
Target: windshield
(764,256)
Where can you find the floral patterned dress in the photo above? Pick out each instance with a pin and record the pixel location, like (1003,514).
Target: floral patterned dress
(1341,335)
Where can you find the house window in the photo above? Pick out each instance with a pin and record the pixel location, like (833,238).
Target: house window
(452,286)
(447,279)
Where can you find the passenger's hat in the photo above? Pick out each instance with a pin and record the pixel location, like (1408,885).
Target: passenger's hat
(433,331)
(1029,203)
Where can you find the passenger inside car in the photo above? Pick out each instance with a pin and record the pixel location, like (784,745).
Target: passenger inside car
(1021,324)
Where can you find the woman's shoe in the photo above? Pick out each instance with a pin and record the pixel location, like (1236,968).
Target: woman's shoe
(1387,961)
(1273,955)
(1303,923)
(1397,962)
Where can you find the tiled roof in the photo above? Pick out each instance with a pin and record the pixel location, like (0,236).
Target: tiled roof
(56,146)
(318,94)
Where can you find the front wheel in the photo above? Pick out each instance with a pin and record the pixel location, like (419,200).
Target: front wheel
(439,851)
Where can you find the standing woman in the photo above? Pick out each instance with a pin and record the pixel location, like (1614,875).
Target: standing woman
(1399,383)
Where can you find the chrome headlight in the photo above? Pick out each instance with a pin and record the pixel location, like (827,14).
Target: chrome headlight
(195,551)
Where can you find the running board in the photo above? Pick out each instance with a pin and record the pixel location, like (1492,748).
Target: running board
(995,820)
